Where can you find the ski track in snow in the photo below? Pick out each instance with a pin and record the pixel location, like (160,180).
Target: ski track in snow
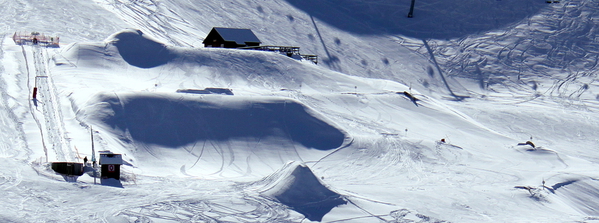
(8,120)
(14,151)
(151,18)
(53,127)
(558,61)
(254,209)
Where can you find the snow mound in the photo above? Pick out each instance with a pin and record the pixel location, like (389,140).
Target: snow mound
(174,120)
(581,194)
(297,187)
(140,50)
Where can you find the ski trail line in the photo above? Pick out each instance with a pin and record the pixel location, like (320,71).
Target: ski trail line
(51,109)
(336,150)
(34,101)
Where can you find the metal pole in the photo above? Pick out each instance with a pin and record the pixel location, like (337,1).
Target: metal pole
(93,153)
(411,13)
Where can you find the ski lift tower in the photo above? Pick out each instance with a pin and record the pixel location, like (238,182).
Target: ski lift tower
(411,13)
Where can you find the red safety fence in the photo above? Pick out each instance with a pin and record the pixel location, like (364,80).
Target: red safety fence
(35,38)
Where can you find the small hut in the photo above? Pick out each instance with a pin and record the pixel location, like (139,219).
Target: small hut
(231,38)
(111,165)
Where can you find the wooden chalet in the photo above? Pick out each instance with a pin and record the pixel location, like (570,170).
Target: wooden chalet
(231,38)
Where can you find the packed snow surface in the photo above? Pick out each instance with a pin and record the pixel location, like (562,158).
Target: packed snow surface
(471,111)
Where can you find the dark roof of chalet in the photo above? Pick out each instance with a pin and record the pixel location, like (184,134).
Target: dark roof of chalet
(239,36)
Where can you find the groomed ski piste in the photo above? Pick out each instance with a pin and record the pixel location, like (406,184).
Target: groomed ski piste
(419,119)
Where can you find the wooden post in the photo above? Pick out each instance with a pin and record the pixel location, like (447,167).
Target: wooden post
(34,92)
(411,13)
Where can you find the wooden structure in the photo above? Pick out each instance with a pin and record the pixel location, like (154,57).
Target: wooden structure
(231,38)
(290,51)
(111,165)
(313,58)
(68,168)
(287,50)
(35,38)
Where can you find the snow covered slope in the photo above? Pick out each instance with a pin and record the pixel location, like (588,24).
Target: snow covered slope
(527,45)
(225,135)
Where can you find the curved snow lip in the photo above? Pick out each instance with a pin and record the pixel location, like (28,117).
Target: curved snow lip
(431,19)
(173,120)
(140,50)
(296,186)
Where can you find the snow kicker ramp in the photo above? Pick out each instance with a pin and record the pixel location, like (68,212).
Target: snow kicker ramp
(140,50)
(173,121)
(296,186)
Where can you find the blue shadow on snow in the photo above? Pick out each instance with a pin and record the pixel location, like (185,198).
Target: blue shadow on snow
(308,196)
(436,19)
(140,51)
(173,123)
